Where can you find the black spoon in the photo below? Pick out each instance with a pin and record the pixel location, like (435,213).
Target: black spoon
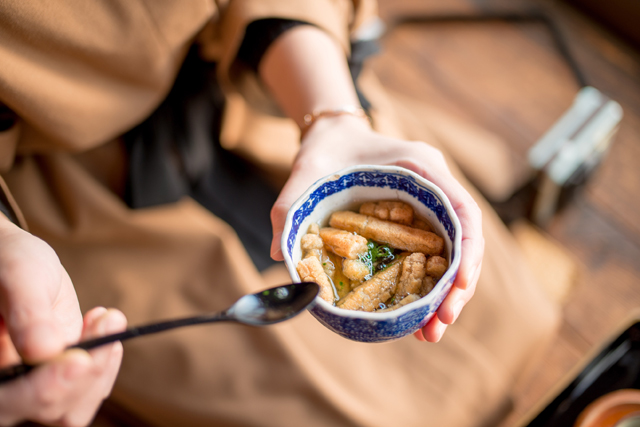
(260,309)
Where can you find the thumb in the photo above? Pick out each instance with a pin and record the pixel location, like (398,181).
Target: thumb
(31,324)
(297,184)
(29,289)
(34,337)
(278,219)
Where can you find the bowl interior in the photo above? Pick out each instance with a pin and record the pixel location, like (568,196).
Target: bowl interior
(347,189)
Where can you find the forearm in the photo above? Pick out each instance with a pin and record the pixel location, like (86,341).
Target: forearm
(306,70)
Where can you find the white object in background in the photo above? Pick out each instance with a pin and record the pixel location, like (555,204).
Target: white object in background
(573,146)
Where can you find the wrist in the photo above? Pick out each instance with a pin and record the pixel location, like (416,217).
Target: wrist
(344,110)
(339,125)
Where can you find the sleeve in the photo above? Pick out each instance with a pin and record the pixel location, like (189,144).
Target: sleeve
(9,208)
(339,18)
(258,37)
(9,132)
(5,209)
(80,73)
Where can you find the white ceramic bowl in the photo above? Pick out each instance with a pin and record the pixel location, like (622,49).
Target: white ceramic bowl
(345,190)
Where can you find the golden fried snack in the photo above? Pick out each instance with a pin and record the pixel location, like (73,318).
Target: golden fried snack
(311,245)
(406,300)
(378,289)
(395,235)
(421,224)
(394,211)
(343,243)
(413,272)
(314,228)
(355,269)
(436,266)
(428,283)
(310,270)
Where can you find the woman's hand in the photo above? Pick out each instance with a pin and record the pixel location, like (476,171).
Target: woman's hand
(39,318)
(301,84)
(335,143)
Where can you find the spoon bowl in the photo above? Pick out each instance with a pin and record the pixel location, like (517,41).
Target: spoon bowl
(273,305)
(260,309)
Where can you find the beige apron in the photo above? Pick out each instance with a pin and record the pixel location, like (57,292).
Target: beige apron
(178,259)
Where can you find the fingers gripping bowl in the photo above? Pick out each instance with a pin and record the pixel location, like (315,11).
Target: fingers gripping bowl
(348,189)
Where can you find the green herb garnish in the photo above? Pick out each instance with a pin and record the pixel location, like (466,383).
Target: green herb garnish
(377,258)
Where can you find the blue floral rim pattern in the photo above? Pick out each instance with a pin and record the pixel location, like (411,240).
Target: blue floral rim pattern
(391,180)
(375,331)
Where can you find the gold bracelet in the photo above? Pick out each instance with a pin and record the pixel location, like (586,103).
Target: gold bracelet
(351,110)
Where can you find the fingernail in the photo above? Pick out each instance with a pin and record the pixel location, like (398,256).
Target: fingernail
(94,315)
(441,329)
(471,275)
(457,309)
(102,323)
(115,321)
(275,246)
(99,311)
(277,255)
(476,275)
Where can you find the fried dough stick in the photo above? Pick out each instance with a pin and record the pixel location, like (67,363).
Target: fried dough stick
(406,300)
(413,272)
(427,285)
(313,246)
(378,289)
(399,212)
(355,269)
(395,235)
(343,243)
(310,270)
(436,267)
(421,224)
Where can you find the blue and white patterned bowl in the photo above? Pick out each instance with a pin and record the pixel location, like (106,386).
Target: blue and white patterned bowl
(347,189)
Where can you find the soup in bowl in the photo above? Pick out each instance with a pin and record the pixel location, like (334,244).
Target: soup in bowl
(384,245)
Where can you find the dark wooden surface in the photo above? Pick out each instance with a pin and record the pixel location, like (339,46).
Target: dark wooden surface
(510,79)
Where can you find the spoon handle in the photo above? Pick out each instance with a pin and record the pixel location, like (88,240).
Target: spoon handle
(16,371)
(151,328)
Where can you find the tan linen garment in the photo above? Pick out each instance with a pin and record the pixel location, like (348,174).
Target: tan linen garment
(78,74)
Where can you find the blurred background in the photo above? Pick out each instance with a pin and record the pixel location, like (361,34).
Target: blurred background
(510,78)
